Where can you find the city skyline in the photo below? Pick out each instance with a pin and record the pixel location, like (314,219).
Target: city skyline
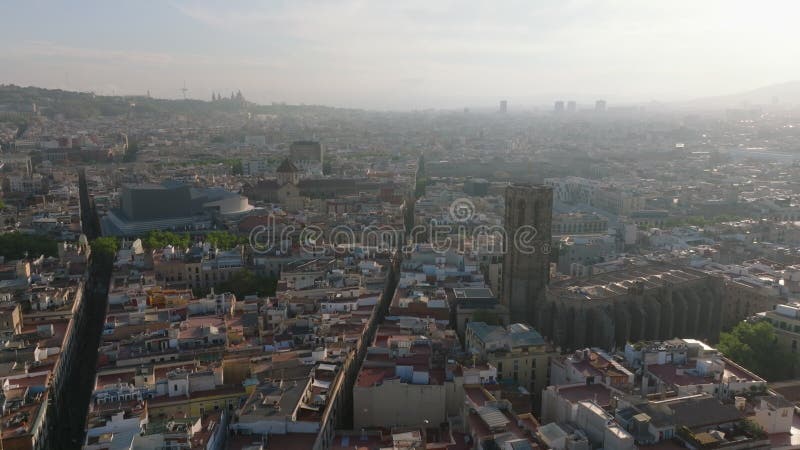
(461,225)
(418,55)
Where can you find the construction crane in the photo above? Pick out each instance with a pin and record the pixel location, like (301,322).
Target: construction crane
(184,90)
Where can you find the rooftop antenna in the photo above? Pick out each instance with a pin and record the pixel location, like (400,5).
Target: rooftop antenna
(184,90)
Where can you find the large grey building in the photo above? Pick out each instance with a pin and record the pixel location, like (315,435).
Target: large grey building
(526,267)
(170,205)
(157,201)
(653,301)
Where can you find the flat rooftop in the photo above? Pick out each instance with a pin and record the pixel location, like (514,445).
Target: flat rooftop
(598,393)
(469,293)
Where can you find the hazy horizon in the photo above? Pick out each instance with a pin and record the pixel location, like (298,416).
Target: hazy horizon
(410,55)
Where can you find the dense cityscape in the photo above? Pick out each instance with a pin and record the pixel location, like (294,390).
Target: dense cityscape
(224,275)
(416,225)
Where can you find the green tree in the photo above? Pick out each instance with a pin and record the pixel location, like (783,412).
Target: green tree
(160,239)
(133,150)
(245,283)
(420,188)
(755,346)
(16,245)
(753,428)
(105,247)
(223,240)
(236,167)
(698,221)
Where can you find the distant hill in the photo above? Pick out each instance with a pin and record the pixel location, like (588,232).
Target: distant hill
(785,93)
(82,105)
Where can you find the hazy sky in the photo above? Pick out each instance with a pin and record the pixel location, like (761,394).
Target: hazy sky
(403,54)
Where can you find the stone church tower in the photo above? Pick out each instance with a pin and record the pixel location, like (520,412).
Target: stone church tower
(287,173)
(526,267)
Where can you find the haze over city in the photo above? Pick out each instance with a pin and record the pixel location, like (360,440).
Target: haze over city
(403,55)
(408,225)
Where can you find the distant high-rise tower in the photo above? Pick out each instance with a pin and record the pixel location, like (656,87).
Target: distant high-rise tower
(600,105)
(572,106)
(503,106)
(526,267)
(559,106)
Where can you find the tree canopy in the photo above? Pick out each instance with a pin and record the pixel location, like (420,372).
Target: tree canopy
(245,283)
(105,246)
(133,150)
(699,221)
(15,245)
(420,187)
(160,239)
(754,346)
(237,168)
(224,240)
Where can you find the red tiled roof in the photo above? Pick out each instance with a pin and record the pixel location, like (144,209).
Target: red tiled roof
(668,373)
(370,376)
(596,392)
